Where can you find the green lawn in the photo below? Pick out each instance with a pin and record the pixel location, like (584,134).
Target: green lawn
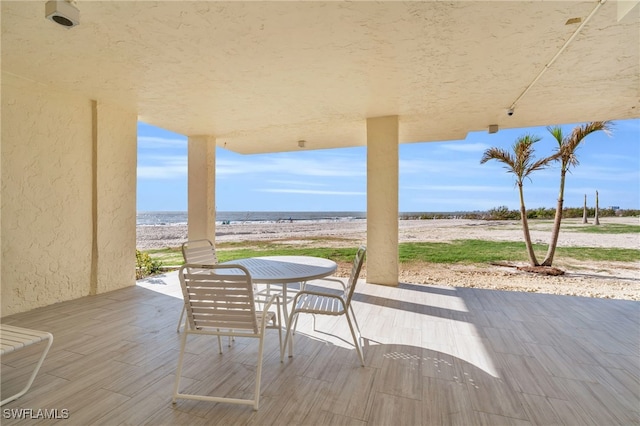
(173,256)
(459,251)
(482,251)
(609,228)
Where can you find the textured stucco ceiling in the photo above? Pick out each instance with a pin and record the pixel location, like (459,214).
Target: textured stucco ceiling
(262,75)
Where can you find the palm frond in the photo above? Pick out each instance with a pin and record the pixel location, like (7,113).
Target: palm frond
(521,161)
(571,143)
(556,156)
(581,132)
(556,132)
(501,155)
(497,154)
(523,148)
(541,163)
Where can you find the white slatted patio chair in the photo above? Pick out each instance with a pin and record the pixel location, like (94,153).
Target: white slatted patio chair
(203,252)
(13,339)
(199,252)
(325,303)
(220,302)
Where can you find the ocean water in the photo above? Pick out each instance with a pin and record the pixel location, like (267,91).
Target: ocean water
(180,218)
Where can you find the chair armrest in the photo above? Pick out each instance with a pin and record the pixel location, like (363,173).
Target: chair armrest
(275,298)
(317,293)
(342,284)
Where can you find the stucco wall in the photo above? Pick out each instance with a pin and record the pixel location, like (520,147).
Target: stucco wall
(57,217)
(116,197)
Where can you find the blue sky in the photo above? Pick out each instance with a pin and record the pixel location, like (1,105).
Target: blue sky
(434,176)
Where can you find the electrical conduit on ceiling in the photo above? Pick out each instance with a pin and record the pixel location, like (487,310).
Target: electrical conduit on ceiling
(557,55)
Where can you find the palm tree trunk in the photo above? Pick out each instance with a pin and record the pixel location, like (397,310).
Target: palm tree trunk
(555,232)
(584,210)
(525,228)
(597,221)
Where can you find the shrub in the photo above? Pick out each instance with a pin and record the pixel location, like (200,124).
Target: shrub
(146,265)
(503,213)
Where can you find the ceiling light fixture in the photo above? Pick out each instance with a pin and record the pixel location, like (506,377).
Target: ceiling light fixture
(62,13)
(572,21)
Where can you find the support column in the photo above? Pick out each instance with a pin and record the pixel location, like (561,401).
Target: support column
(382,200)
(202,188)
(113,198)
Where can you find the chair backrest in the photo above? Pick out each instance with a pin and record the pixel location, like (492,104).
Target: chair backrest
(199,252)
(355,273)
(218,297)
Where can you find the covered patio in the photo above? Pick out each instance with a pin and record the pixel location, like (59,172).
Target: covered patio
(434,355)
(258,77)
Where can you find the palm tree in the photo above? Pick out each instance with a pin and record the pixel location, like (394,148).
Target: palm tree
(566,154)
(596,219)
(521,163)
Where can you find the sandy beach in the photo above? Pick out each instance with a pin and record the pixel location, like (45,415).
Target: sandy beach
(619,280)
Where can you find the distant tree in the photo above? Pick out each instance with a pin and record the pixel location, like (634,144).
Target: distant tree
(521,163)
(499,213)
(566,154)
(584,210)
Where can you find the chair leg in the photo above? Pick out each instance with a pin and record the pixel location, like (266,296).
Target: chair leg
(184,308)
(355,321)
(220,342)
(179,369)
(295,325)
(356,340)
(279,326)
(259,373)
(288,336)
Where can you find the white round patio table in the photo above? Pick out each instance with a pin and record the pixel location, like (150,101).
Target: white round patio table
(286,270)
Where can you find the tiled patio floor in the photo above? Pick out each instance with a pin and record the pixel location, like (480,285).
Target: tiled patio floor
(434,356)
